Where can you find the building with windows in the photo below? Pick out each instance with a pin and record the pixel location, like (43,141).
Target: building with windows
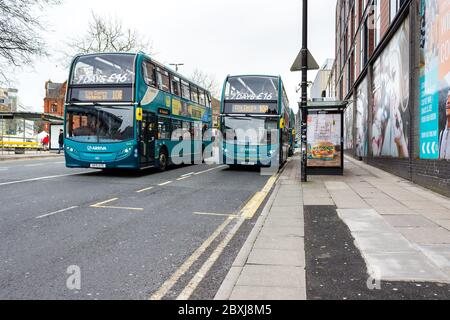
(319,88)
(8,99)
(393,66)
(54,98)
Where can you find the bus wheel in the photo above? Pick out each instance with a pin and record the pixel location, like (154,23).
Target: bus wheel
(163,160)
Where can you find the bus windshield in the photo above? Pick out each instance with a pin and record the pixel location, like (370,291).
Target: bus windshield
(252,88)
(100,124)
(104,69)
(255,131)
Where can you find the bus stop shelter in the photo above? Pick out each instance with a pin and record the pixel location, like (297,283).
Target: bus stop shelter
(19,144)
(325,137)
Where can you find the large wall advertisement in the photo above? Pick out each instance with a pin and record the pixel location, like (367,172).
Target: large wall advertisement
(435,80)
(391,113)
(362,118)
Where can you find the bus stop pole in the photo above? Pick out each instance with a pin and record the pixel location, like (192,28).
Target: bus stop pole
(304,113)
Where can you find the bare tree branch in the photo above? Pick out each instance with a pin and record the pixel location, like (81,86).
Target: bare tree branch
(20,28)
(106,34)
(207,81)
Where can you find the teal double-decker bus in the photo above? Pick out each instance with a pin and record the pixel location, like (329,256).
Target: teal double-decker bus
(255,121)
(127,111)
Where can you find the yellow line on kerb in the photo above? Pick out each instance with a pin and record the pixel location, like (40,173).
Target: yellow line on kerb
(248,212)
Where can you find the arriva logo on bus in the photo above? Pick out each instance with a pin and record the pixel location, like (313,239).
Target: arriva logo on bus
(96,148)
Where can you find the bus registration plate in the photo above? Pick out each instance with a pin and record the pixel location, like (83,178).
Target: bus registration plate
(98,165)
(248,163)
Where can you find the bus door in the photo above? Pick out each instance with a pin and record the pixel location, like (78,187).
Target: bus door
(147,139)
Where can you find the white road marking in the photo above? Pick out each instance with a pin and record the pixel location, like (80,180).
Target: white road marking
(209,170)
(183,178)
(146,189)
(101,205)
(56,212)
(41,178)
(4,169)
(164,183)
(187,175)
(158,295)
(215,214)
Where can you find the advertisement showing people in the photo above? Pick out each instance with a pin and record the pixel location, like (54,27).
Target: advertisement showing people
(362,118)
(324,140)
(348,126)
(435,80)
(391,114)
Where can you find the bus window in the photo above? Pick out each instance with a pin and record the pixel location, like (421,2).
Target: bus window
(187,130)
(185,90)
(194,94)
(208,99)
(163,79)
(163,128)
(175,81)
(149,74)
(197,131)
(201,97)
(177,130)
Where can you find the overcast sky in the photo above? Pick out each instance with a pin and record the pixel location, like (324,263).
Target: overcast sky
(219,37)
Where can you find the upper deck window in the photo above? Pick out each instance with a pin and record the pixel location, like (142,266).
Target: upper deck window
(252,88)
(104,69)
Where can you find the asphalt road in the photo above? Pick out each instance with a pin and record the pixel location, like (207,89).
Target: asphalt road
(128,233)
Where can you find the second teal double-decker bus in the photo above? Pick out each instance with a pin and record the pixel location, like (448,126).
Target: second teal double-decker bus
(127,111)
(255,121)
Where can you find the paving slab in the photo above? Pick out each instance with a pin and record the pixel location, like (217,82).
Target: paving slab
(439,254)
(246,293)
(403,267)
(422,205)
(364,220)
(272,276)
(277,222)
(294,258)
(443,223)
(376,242)
(422,235)
(409,221)
(278,242)
(287,231)
(318,201)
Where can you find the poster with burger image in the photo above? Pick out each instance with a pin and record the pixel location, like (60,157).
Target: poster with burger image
(324,140)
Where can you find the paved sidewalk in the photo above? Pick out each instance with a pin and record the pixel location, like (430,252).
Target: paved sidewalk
(10,156)
(271,265)
(401,229)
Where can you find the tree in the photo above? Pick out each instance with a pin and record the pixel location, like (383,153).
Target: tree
(207,81)
(109,35)
(20,33)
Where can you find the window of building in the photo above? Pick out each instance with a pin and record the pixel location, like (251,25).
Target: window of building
(54,108)
(208,99)
(194,94)
(185,91)
(163,79)
(377,21)
(176,85)
(364,44)
(395,6)
(149,74)
(163,128)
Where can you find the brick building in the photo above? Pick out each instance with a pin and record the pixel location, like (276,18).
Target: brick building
(54,98)
(393,65)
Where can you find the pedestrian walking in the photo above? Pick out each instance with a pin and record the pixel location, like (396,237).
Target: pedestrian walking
(45,142)
(61,141)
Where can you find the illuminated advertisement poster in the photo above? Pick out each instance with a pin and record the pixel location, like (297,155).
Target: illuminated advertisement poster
(348,126)
(435,80)
(391,114)
(362,118)
(324,140)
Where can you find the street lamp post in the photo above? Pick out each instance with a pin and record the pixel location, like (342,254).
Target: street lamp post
(177,65)
(304,120)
